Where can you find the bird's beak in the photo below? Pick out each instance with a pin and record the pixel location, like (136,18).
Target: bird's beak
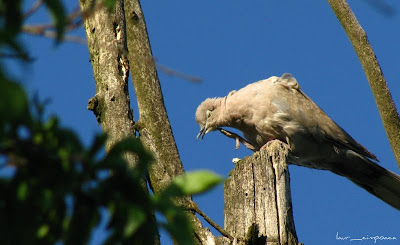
(201,133)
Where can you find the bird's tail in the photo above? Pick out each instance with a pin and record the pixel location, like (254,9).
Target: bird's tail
(375,179)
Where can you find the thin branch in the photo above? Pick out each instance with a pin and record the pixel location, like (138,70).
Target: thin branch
(193,207)
(46,30)
(40,31)
(382,7)
(373,72)
(33,9)
(23,57)
(75,20)
(43,30)
(171,72)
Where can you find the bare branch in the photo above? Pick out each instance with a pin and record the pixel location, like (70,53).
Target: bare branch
(172,72)
(373,72)
(40,31)
(75,20)
(33,9)
(194,207)
(382,7)
(23,57)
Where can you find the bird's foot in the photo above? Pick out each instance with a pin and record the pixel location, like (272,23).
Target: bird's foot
(271,142)
(266,145)
(238,139)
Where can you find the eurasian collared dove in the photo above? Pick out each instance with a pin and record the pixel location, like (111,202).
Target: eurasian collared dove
(276,108)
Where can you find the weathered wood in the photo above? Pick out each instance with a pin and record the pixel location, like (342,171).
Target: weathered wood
(258,206)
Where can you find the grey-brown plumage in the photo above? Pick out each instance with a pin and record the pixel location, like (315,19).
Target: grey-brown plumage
(276,108)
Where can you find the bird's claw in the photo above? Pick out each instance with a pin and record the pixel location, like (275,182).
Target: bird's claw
(238,139)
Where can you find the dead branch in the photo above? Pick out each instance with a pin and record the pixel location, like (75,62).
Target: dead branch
(377,82)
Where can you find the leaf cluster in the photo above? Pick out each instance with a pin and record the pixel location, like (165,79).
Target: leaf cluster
(59,187)
(54,189)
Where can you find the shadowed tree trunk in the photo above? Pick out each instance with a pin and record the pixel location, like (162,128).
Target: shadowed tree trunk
(106,36)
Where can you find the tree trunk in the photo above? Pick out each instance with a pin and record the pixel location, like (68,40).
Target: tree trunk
(105,32)
(258,207)
(153,125)
(106,36)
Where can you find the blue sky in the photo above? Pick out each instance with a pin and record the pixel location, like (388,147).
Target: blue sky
(230,44)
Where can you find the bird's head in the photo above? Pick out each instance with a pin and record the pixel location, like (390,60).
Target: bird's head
(207,116)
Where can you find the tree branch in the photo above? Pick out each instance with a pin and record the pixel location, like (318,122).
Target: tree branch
(155,130)
(42,31)
(193,206)
(373,72)
(33,9)
(172,72)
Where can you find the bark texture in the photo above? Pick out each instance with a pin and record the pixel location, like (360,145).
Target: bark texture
(106,36)
(373,72)
(258,207)
(153,125)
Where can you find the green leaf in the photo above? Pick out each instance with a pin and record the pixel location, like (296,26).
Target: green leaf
(197,182)
(11,12)
(13,102)
(133,145)
(38,138)
(136,217)
(22,191)
(130,144)
(57,11)
(42,231)
(70,140)
(180,232)
(51,124)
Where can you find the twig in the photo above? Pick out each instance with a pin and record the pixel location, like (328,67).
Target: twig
(193,207)
(179,74)
(23,56)
(40,31)
(33,9)
(76,14)
(238,139)
(382,7)
(74,39)
(75,20)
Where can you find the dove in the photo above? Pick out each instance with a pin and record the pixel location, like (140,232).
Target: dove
(277,109)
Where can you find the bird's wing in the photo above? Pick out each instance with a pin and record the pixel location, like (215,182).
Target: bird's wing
(305,112)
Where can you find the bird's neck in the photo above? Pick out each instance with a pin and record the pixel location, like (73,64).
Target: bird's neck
(228,115)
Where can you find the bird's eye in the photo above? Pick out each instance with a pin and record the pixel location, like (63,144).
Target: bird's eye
(208,113)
